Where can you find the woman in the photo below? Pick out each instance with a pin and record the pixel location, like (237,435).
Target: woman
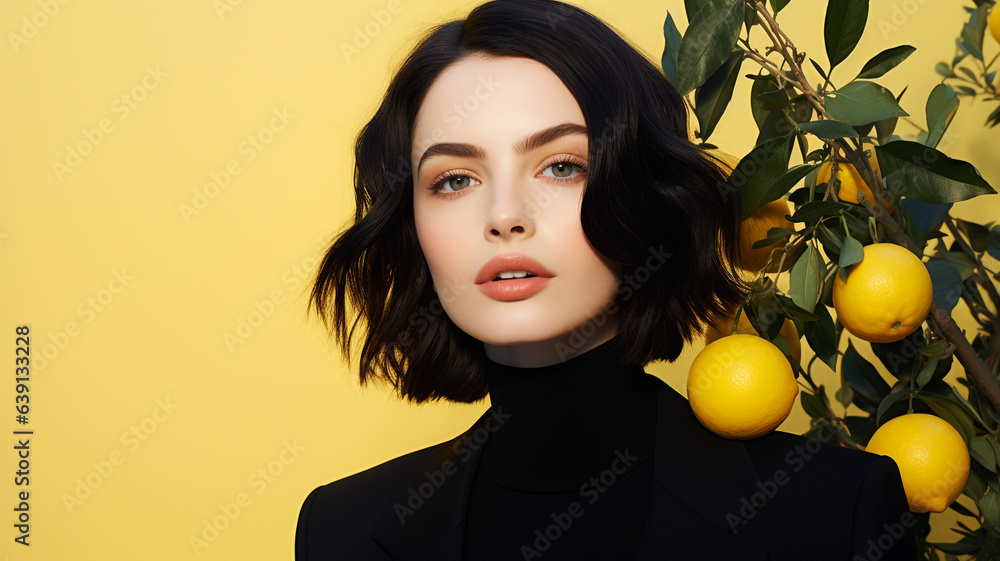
(533,224)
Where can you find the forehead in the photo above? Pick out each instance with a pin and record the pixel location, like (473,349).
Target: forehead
(479,99)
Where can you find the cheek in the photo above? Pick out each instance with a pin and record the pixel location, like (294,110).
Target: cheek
(444,248)
(587,261)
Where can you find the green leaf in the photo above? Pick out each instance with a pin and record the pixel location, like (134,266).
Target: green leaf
(901,391)
(761,84)
(942,105)
(806,279)
(943,69)
(869,387)
(789,179)
(935,349)
(844,396)
(822,337)
(860,103)
(774,235)
(990,506)
(900,357)
(671,44)
(831,240)
(927,372)
(957,507)
(813,405)
(994,242)
(851,252)
(974,30)
(818,209)
(844,24)
(777,5)
(828,128)
(913,170)
(772,101)
(978,234)
(947,283)
(950,411)
(862,428)
(884,129)
(708,41)
(975,487)
(712,98)
(691,8)
(983,452)
(758,170)
(962,262)
(819,69)
(885,61)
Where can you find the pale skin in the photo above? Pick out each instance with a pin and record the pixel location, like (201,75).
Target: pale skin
(502,199)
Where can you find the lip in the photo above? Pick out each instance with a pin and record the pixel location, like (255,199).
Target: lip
(510,262)
(512,289)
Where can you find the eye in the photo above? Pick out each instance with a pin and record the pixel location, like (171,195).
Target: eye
(565,170)
(452,183)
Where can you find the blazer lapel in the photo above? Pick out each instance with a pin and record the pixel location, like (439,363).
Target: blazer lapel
(426,519)
(699,479)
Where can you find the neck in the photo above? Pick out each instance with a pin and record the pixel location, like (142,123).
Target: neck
(568,420)
(536,354)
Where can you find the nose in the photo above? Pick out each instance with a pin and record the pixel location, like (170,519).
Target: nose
(509,216)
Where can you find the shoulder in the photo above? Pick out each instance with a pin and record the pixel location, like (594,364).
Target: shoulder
(335,518)
(853,496)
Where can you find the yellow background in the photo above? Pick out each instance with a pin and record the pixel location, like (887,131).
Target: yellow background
(148,379)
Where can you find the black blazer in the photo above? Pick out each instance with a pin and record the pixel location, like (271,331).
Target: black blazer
(778,497)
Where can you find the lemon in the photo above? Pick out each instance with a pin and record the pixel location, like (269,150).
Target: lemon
(741,387)
(755,228)
(886,296)
(995,23)
(724,327)
(850,181)
(932,457)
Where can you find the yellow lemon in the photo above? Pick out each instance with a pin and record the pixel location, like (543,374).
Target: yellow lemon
(850,181)
(741,387)
(724,327)
(755,228)
(995,23)
(932,457)
(886,296)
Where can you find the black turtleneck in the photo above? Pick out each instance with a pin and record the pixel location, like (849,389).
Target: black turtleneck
(568,474)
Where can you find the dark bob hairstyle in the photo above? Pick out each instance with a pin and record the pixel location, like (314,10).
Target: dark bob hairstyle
(649,189)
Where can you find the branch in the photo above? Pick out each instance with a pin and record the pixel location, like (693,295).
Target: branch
(978,370)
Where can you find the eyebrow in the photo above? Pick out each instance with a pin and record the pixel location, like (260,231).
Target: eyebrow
(533,141)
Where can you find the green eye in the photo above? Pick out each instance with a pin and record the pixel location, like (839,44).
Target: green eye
(562,169)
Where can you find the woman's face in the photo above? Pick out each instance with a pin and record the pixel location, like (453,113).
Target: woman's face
(500,153)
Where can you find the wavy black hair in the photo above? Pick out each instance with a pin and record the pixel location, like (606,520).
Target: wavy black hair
(649,188)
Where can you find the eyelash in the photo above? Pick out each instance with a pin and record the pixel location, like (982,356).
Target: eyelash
(438,184)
